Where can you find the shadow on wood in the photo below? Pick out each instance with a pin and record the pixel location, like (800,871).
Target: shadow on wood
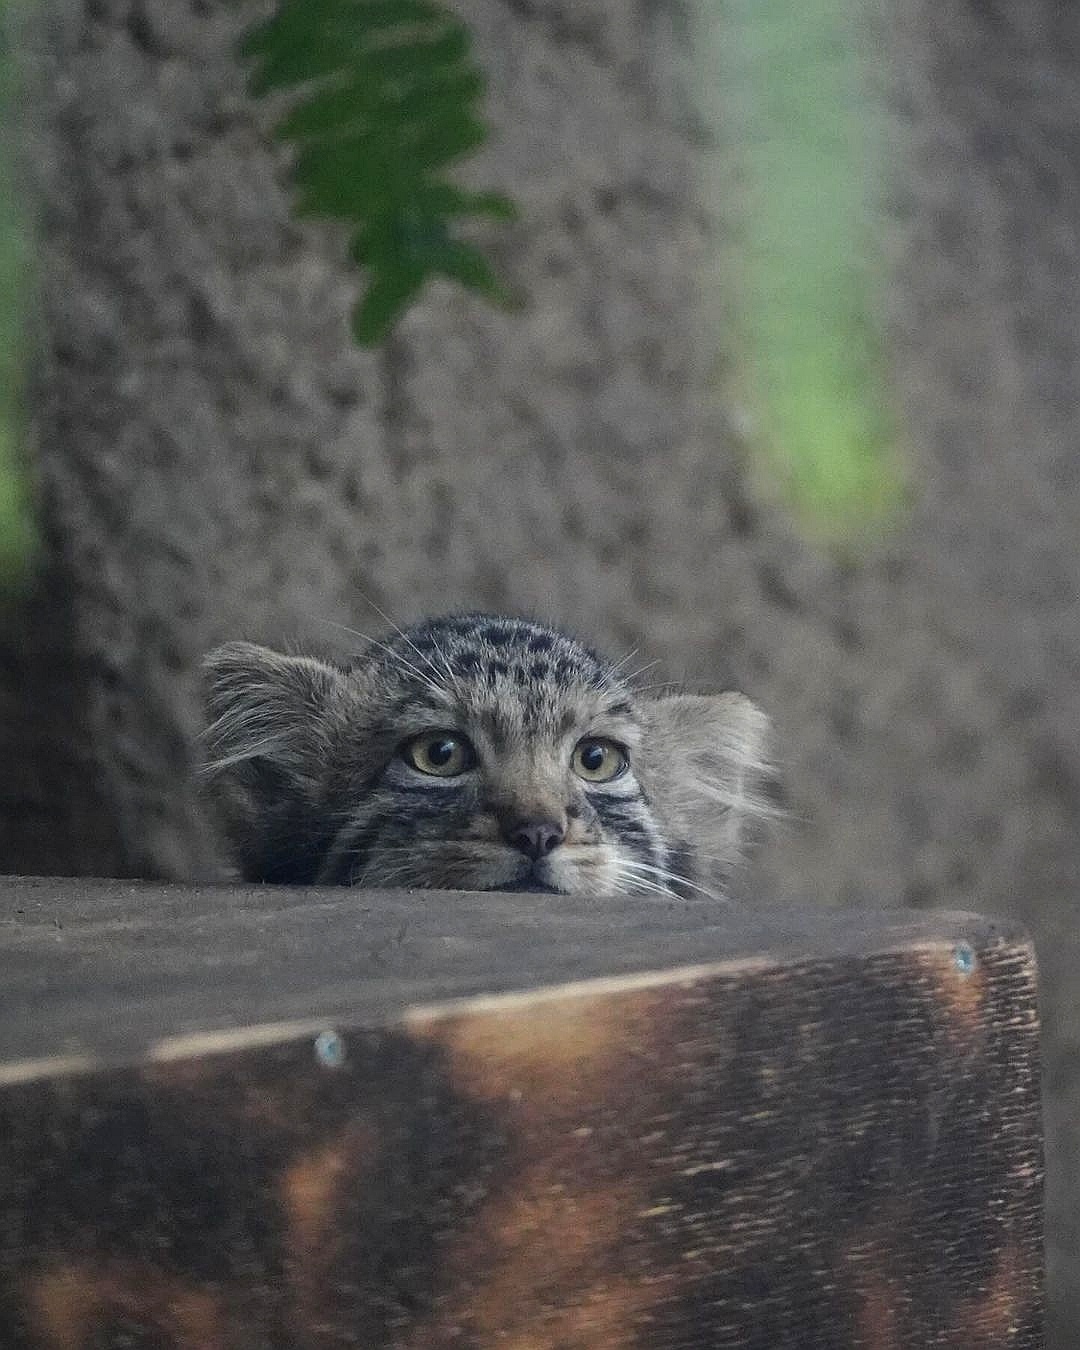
(260,1118)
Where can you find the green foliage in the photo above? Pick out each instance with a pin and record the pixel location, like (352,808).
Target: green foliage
(18,535)
(810,365)
(389,100)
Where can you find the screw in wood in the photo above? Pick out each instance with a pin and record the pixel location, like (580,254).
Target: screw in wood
(329,1049)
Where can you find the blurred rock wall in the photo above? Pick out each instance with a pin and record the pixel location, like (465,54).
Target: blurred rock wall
(217,461)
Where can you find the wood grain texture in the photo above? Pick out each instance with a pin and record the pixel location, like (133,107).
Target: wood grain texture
(642,1126)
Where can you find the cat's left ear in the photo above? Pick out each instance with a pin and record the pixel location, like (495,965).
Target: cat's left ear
(271,718)
(265,707)
(703,760)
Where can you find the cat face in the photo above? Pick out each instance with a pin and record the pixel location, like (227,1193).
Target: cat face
(474,753)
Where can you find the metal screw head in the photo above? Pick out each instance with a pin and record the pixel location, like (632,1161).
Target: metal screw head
(329,1049)
(964,958)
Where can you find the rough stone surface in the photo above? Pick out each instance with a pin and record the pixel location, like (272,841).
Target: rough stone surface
(217,461)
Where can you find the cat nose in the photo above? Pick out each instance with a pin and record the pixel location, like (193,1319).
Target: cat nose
(534,838)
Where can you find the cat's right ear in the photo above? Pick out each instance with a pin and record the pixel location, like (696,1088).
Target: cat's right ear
(703,760)
(267,742)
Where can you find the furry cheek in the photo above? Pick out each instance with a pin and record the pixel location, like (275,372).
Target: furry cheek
(585,871)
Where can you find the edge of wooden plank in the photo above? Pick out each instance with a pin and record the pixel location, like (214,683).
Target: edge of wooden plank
(100,971)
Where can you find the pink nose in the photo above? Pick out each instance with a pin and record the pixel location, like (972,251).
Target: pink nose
(535,838)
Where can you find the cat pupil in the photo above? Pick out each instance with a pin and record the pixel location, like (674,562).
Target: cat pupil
(441,752)
(592,757)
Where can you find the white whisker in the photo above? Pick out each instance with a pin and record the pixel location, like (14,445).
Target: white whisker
(641,670)
(664,874)
(394,655)
(641,885)
(612,672)
(623,660)
(253,750)
(426,660)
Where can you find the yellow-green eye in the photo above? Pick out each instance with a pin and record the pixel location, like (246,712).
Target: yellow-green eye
(442,753)
(598,760)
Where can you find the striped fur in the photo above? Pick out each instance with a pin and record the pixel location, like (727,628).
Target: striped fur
(306,774)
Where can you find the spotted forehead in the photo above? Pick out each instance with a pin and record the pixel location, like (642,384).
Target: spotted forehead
(487,647)
(509,673)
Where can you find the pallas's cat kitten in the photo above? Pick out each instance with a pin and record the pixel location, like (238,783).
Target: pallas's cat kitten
(478,753)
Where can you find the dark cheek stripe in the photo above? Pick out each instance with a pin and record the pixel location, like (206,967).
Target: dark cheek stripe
(402,816)
(629,823)
(352,846)
(444,795)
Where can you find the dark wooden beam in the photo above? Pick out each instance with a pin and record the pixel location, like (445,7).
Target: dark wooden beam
(242,1117)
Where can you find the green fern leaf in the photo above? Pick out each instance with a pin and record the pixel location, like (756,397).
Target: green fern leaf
(357,104)
(387,99)
(388,294)
(442,199)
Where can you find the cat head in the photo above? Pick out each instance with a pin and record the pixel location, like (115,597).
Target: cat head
(477,753)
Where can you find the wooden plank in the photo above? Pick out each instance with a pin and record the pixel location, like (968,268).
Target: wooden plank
(249,1118)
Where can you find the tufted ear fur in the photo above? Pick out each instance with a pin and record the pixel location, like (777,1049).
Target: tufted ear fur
(268,745)
(702,762)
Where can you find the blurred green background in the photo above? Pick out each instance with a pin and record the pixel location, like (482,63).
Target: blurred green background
(809,374)
(16,523)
